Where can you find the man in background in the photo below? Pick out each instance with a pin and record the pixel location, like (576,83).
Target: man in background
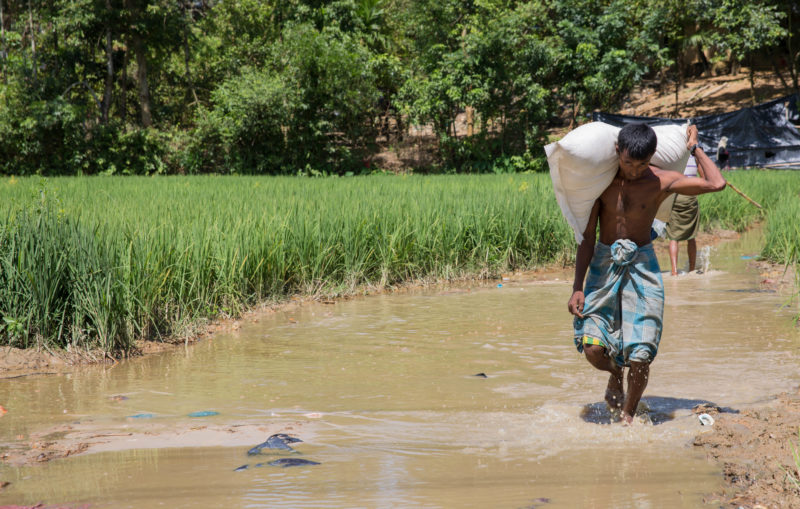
(683,220)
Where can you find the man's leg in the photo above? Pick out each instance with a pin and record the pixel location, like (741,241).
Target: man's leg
(691,250)
(596,355)
(673,256)
(638,374)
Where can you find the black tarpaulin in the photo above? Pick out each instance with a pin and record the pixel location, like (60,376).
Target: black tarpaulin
(760,136)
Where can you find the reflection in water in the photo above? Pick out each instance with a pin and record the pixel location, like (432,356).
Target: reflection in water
(384,394)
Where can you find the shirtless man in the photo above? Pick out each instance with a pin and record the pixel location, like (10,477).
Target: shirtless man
(618,316)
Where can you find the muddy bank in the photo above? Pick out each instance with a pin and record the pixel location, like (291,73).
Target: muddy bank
(756,449)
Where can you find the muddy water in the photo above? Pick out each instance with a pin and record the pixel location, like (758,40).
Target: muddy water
(383,393)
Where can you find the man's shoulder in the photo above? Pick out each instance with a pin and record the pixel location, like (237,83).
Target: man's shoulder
(668,176)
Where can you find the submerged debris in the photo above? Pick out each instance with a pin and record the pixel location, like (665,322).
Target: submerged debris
(278,441)
(291,462)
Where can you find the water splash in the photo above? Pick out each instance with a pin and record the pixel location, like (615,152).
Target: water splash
(704,259)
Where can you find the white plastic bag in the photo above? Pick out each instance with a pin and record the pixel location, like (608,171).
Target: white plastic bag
(584,162)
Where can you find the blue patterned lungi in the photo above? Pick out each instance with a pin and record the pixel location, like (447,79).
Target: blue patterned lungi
(624,306)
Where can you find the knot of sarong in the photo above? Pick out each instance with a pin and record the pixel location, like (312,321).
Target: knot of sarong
(623,252)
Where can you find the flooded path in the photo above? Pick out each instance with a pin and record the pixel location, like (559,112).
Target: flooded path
(383,392)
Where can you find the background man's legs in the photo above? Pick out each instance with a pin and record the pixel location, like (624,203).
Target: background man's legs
(691,250)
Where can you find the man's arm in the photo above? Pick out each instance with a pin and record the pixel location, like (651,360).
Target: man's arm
(710,179)
(582,261)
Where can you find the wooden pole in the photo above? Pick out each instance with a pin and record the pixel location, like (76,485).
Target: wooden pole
(744,196)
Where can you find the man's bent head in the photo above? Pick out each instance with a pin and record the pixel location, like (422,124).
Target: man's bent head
(636,144)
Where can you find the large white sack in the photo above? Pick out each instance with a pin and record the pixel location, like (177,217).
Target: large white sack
(584,162)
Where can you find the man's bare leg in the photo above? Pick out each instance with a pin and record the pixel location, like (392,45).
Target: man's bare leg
(691,250)
(673,256)
(596,355)
(638,374)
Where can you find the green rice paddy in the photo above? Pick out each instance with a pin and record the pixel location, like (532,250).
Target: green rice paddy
(98,262)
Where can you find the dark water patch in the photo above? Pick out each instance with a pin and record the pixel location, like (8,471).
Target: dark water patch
(292,462)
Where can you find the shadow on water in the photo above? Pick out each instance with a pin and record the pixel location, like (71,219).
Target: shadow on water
(662,409)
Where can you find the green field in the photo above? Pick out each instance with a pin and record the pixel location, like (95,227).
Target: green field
(97,262)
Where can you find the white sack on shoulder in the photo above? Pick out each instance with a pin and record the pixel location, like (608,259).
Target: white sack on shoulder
(584,162)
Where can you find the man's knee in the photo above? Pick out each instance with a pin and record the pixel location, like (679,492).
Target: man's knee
(596,354)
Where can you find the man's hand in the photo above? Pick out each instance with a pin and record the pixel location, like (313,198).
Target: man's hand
(575,304)
(691,133)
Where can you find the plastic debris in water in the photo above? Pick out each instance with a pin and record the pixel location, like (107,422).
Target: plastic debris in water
(500,285)
(279,441)
(141,416)
(706,420)
(480,375)
(3,411)
(291,462)
(204,413)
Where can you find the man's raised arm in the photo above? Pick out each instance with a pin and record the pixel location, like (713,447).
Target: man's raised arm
(711,180)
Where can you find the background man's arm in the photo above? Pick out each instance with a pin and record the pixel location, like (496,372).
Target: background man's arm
(582,261)
(710,179)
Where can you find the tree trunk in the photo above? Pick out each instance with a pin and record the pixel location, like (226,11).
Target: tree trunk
(792,55)
(752,82)
(107,93)
(141,78)
(704,60)
(677,90)
(33,40)
(3,52)
(777,70)
(186,53)
(123,85)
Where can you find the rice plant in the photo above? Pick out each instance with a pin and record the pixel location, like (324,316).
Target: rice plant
(98,262)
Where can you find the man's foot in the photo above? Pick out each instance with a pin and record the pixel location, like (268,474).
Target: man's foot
(615,396)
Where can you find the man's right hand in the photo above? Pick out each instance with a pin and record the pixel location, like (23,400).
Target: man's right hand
(575,304)
(691,135)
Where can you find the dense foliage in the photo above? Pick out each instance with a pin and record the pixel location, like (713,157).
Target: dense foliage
(277,87)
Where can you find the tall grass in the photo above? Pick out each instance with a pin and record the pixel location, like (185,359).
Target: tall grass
(99,262)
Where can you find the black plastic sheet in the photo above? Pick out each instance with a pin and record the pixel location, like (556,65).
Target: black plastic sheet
(759,136)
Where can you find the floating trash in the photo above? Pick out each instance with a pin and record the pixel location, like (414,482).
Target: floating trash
(749,257)
(500,285)
(706,420)
(141,416)
(204,413)
(279,441)
(480,375)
